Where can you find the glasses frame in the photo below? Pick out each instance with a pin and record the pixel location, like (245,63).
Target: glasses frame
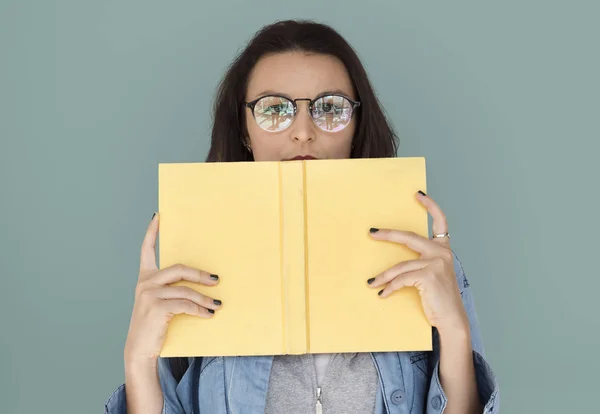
(311,102)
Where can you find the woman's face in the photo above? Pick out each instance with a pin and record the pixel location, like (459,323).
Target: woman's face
(298,75)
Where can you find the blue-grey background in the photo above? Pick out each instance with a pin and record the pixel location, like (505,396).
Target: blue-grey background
(501,97)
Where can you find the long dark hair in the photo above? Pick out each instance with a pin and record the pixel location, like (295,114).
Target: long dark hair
(374,136)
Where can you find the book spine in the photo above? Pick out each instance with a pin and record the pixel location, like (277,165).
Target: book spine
(306,278)
(293,257)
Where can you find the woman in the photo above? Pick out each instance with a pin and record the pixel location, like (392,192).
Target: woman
(310,78)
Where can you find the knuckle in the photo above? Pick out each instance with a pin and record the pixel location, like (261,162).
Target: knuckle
(203,299)
(146,294)
(404,266)
(386,275)
(177,291)
(178,306)
(429,275)
(193,295)
(198,274)
(139,289)
(165,307)
(391,274)
(447,256)
(439,261)
(187,306)
(187,292)
(178,267)
(194,308)
(158,310)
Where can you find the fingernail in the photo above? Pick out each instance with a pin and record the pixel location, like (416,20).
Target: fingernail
(373,230)
(211,311)
(153,215)
(422,193)
(380,292)
(217,302)
(371,280)
(214,277)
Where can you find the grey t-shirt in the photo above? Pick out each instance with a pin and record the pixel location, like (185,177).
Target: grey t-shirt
(321,362)
(349,384)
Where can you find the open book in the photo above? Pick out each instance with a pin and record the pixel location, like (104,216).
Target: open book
(290,242)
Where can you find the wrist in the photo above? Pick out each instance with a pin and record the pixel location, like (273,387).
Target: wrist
(457,332)
(143,386)
(141,365)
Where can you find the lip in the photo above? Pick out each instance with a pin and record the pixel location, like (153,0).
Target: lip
(301,157)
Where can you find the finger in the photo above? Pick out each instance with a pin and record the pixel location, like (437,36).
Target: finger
(413,240)
(179,272)
(184,292)
(440,223)
(414,279)
(172,307)
(396,270)
(148,253)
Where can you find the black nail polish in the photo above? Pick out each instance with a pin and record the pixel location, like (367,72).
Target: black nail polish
(380,292)
(211,311)
(422,193)
(153,215)
(214,277)
(373,230)
(217,302)
(371,280)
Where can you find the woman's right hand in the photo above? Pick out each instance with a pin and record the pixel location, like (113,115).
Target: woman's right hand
(156,303)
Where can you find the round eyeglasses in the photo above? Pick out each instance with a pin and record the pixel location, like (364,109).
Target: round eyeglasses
(330,112)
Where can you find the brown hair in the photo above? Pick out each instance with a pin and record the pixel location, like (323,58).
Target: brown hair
(374,136)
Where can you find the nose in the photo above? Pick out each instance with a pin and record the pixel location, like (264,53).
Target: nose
(303,128)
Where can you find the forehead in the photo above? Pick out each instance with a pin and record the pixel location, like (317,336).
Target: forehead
(298,75)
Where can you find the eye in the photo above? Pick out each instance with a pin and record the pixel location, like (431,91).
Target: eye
(274,113)
(273,105)
(333,104)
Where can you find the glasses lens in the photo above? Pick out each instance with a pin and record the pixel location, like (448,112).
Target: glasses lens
(332,113)
(273,113)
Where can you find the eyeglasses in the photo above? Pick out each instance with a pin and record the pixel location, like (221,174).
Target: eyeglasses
(330,112)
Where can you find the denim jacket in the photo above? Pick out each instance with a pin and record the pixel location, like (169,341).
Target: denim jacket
(408,381)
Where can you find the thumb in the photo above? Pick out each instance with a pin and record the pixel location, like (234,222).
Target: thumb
(148,253)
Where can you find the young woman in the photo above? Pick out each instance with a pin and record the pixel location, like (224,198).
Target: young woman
(299,90)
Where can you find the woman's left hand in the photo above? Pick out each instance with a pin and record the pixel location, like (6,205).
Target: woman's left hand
(432,274)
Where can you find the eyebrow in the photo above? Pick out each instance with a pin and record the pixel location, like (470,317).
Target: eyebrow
(328,92)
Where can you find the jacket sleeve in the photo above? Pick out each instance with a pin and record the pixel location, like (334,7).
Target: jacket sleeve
(487,385)
(117,403)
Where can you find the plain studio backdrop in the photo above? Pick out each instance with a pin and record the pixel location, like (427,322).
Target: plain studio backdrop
(502,98)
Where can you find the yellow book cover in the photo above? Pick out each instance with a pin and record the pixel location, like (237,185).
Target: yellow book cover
(290,243)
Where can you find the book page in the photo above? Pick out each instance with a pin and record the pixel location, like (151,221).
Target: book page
(344,199)
(224,218)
